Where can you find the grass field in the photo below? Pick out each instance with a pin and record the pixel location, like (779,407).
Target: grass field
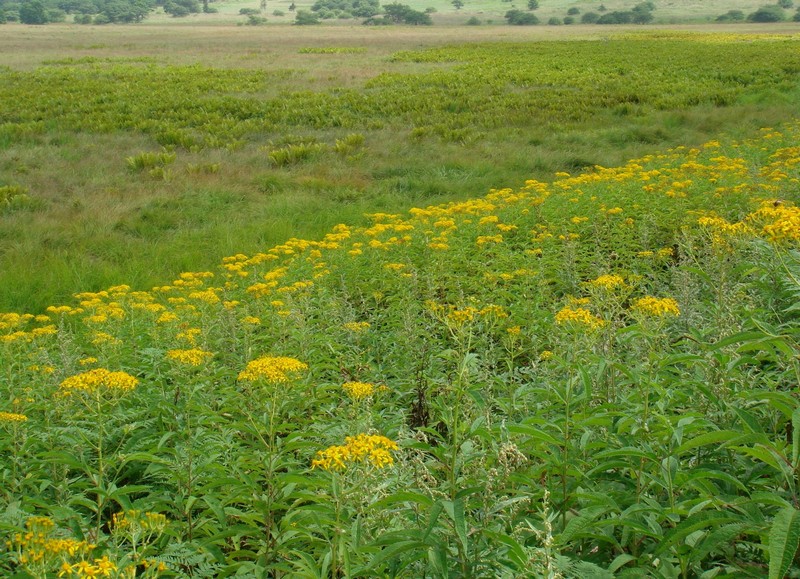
(441,302)
(92,221)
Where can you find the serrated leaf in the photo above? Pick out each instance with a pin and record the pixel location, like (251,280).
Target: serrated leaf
(784,537)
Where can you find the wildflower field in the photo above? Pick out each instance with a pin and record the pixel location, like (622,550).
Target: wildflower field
(593,374)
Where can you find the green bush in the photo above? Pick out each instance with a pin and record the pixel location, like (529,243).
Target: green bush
(769,13)
(520,18)
(305,18)
(590,17)
(474,21)
(731,16)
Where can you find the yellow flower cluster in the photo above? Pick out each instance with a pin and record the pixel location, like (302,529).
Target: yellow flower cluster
(36,548)
(102,567)
(578,316)
(136,524)
(608,282)
(656,307)
(370,448)
(98,381)
(780,222)
(356,327)
(272,369)
(191,357)
(358,390)
(12,417)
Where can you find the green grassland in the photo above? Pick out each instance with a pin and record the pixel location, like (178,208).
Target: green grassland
(591,376)
(268,133)
(399,302)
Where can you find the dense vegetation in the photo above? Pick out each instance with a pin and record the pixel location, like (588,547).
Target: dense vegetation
(126,168)
(594,377)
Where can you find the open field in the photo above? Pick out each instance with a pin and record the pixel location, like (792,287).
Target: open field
(590,377)
(81,102)
(349,302)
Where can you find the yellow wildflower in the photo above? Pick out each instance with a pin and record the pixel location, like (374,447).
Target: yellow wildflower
(98,381)
(580,316)
(358,390)
(12,417)
(356,327)
(191,357)
(657,307)
(272,369)
(363,448)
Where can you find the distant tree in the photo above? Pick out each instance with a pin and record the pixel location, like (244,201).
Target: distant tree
(520,18)
(305,18)
(180,8)
(616,17)
(602,8)
(643,12)
(796,16)
(770,13)
(569,20)
(32,12)
(533,4)
(731,16)
(292,7)
(335,8)
(573,11)
(396,13)
(474,21)
(459,4)
(555,21)
(785,3)
(590,17)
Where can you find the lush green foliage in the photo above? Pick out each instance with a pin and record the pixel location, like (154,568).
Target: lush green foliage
(592,377)
(351,8)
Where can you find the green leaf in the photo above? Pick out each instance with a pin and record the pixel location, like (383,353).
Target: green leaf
(706,439)
(784,537)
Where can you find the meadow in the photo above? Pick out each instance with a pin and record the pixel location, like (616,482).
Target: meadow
(453,319)
(253,125)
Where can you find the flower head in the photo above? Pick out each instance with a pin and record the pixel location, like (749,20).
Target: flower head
(98,381)
(656,307)
(272,369)
(363,448)
(358,390)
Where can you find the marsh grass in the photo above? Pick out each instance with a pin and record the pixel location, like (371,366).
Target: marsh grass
(92,222)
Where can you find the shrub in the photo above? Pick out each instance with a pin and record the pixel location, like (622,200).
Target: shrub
(569,20)
(796,16)
(254,20)
(533,4)
(32,12)
(305,18)
(83,19)
(278,13)
(573,11)
(785,3)
(357,8)
(769,13)
(520,18)
(731,16)
(555,21)
(590,17)
(474,21)
(249,11)
(180,8)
